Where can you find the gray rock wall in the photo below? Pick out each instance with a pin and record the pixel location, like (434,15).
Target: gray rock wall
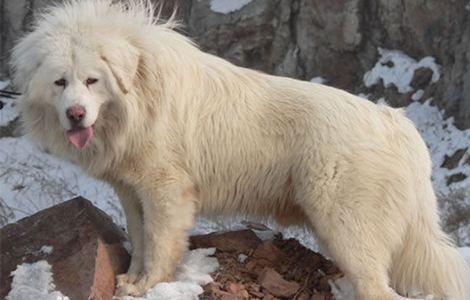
(335,39)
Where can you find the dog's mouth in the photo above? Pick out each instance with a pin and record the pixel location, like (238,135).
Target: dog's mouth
(80,137)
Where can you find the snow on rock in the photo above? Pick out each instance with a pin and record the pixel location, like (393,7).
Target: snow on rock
(206,226)
(228,6)
(318,79)
(442,138)
(34,282)
(46,249)
(242,257)
(452,185)
(4,84)
(265,235)
(465,251)
(342,289)
(396,68)
(304,236)
(196,266)
(417,95)
(7,112)
(191,274)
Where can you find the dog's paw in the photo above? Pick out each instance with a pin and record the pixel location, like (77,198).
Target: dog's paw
(127,289)
(133,285)
(127,278)
(125,286)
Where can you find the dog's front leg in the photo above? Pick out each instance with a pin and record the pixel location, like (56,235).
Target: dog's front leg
(134,217)
(168,209)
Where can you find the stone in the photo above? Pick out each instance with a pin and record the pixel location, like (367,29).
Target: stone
(457,177)
(318,297)
(241,241)
(233,291)
(276,284)
(238,290)
(303,296)
(421,78)
(87,249)
(235,288)
(227,296)
(269,297)
(269,252)
(452,161)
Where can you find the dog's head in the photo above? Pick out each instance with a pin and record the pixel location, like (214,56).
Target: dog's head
(72,78)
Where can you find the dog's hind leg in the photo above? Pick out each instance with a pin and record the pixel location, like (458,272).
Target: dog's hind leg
(357,252)
(358,228)
(134,216)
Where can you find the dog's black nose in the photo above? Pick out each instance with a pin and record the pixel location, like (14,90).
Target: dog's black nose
(76,113)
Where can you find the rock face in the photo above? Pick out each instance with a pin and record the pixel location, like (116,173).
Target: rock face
(81,243)
(337,40)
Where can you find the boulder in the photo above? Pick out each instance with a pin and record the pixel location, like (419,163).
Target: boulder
(80,242)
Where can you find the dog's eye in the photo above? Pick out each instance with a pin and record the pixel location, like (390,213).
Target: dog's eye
(91,81)
(60,82)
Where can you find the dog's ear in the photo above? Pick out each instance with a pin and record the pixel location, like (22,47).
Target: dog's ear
(123,60)
(25,60)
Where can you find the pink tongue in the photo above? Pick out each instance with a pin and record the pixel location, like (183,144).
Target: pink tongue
(80,137)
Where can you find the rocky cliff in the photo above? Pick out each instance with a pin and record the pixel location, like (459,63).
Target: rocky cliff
(337,40)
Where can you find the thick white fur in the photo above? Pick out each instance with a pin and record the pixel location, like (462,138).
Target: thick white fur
(180,132)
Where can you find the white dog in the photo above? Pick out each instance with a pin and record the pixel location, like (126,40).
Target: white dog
(178,132)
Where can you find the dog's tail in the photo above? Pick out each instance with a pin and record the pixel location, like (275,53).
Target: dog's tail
(429,262)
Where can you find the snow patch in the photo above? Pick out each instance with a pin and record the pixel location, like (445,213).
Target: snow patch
(442,138)
(417,95)
(382,101)
(363,96)
(318,79)
(7,107)
(228,6)
(396,68)
(206,226)
(265,235)
(466,254)
(34,282)
(46,250)
(8,111)
(342,289)
(4,84)
(32,180)
(191,274)
(242,257)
